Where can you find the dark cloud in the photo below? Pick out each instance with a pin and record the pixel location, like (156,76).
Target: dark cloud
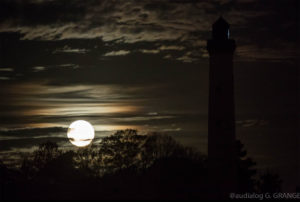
(27,138)
(176,21)
(33,13)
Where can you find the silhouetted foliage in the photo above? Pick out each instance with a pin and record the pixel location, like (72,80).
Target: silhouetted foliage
(127,149)
(120,150)
(3,174)
(125,165)
(41,157)
(8,179)
(158,146)
(269,182)
(246,172)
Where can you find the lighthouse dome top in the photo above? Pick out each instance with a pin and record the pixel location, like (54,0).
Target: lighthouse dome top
(221,22)
(220,29)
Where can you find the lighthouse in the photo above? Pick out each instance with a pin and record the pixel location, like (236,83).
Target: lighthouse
(221,113)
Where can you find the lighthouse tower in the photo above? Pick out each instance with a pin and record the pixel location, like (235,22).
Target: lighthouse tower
(221,120)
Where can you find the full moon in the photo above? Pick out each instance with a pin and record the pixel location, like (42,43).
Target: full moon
(81,133)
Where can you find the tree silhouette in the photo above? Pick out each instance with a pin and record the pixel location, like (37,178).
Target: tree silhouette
(269,182)
(245,171)
(128,149)
(248,181)
(126,165)
(45,153)
(120,150)
(3,172)
(157,146)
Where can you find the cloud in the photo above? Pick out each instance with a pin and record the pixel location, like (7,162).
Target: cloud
(4,78)
(185,58)
(117,53)
(254,53)
(26,139)
(152,113)
(189,57)
(73,66)
(67,49)
(108,107)
(252,122)
(38,68)
(6,73)
(150,51)
(16,143)
(29,132)
(164,47)
(147,21)
(112,21)
(6,69)
(168,56)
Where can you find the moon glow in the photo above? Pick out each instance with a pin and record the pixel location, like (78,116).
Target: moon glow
(81,133)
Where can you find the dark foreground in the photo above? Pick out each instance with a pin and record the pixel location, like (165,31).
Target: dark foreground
(125,166)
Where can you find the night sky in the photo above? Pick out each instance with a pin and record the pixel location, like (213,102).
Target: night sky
(144,65)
